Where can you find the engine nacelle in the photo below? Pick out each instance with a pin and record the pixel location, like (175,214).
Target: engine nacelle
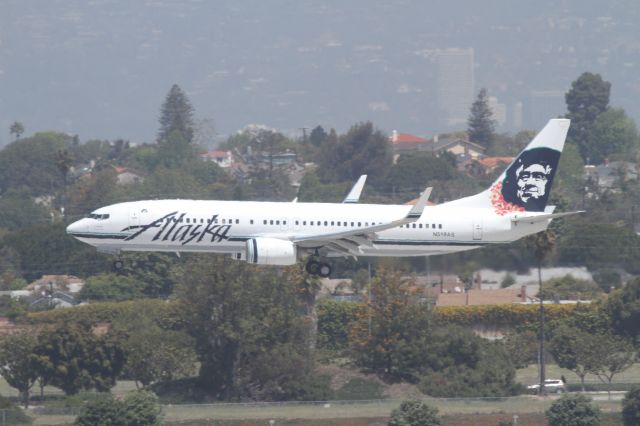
(270,251)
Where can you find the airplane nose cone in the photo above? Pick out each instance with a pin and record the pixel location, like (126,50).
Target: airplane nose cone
(73,228)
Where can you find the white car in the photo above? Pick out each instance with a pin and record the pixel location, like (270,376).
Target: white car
(550,385)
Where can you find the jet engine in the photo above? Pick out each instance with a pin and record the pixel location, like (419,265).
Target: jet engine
(270,251)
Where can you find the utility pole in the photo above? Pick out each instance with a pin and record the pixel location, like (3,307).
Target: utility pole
(542,360)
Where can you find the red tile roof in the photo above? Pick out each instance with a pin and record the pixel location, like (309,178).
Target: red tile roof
(215,154)
(491,162)
(407,138)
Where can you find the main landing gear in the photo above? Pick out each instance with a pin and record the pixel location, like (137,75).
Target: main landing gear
(321,269)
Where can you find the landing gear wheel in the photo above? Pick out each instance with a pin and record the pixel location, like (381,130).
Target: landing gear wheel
(324,270)
(118,265)
(312,267)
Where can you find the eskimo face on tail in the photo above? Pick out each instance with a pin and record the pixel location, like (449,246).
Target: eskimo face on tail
(527,182)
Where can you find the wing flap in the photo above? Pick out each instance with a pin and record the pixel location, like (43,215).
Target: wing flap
(352,239)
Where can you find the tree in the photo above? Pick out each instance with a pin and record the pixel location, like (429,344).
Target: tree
(362,150)
(154,354)
(613,132)
(414,413)
(541,245)
(612,356)
(111,287)
(17,129)
(380,340)
(480,125)
(461,364)
(28,164)
(569,287)
(586,100)
(318,136)
(176,115)
(308,287)
(235,312)
(575,350)
(573,410)
(15,366)
(63,163)
(139,408)
(73,358)
(631,407)
(623,307)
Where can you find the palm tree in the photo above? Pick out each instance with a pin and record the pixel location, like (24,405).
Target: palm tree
(17,128)
(541,245)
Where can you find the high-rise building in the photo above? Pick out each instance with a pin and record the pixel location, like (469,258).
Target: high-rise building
(544,105)
(455,85)
(498,111)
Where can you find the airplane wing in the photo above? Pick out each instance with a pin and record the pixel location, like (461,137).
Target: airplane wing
(542,217)
(354,194)
(348,242)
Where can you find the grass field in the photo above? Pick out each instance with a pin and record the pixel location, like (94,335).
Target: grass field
(352,412)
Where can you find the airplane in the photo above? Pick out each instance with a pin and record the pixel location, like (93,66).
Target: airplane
(277,233)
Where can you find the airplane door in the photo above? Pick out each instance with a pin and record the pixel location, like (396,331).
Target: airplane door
(477,229)
(134,218)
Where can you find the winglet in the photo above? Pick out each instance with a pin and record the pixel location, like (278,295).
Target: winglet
(418,208)
(354,194)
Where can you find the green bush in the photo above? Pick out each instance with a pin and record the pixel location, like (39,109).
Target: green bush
(138,408)
(359,389)
(414,413)
(13,415)
(631,407)
(573,410)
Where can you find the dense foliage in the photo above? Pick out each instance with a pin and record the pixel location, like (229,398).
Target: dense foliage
(573,410)
(412,413)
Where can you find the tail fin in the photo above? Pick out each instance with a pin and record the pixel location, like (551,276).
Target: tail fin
(526,183)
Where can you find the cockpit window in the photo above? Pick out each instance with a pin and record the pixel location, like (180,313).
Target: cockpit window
(98,216)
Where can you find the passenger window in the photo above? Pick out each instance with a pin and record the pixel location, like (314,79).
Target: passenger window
(277,222)
(304,222)
(264,222)
(237,221)
(326,223)
(359,224)
(271,222)
(440,226)
(352,224)
(284,222)
(332,223)
(251,222)
(433,226)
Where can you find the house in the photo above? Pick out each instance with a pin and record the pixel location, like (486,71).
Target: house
(456,144)
(406,142)
(475,297)
(609,175)
(50,283)
(490,164)
(279,159)
(459,147)
(55,300)
(125,176)
(223,159)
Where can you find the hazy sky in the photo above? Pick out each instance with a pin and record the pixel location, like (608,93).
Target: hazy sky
(101,68)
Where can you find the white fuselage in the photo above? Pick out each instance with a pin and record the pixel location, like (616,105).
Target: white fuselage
(225,226)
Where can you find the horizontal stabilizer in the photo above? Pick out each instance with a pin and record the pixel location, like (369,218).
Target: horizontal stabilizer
(542,217)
